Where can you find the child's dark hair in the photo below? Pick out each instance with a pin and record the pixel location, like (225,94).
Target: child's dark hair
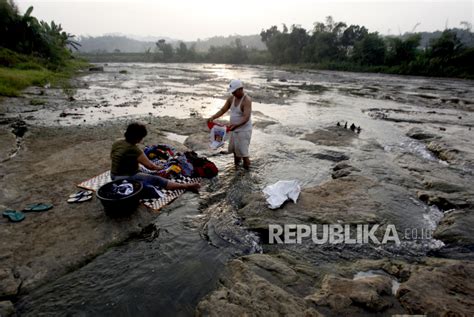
(135,132)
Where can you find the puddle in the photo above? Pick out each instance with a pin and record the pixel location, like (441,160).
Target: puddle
(176,137)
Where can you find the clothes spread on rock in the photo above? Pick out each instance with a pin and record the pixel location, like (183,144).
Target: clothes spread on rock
(176,164)
(276,194)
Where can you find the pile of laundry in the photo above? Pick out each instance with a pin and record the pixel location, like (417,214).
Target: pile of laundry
(176,164)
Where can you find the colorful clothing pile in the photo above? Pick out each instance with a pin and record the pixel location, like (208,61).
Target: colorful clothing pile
(177,164)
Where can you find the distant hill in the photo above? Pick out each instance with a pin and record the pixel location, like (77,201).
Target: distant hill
(113,43)
(464,36)
(125,44)
(249,41)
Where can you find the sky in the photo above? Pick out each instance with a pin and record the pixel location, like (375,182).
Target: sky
(199,19)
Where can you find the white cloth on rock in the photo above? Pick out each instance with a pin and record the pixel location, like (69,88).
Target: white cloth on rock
(276,194)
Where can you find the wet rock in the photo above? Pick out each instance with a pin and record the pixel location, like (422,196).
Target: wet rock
(8,144)
(331,136)
(243,292)
(344,200)
(318,89)
(305,287)
(4,121)
(150,232)
(341,173)
(341,165)
(180,126)
(19,128)
(418,134)
(198,142)
(339,293)
(456,227)
(263,124)
(9,284)
(442,151)
(96,69)
(442,186)
(444,288)
(332,156)
(7,309)
(445,201)
(343,169)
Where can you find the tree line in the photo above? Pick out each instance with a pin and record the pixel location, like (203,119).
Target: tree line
(165,52)
(331,45)
(334,45)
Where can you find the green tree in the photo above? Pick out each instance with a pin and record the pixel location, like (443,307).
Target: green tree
(446,46)
(276,43)
(370,50)
(350,36)
(164,51)
(402,51)
(182,52)
(25,34)
(297,40)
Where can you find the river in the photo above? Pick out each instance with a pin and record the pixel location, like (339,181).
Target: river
(169,268)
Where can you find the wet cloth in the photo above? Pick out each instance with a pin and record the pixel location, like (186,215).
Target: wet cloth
(276,194)
(124,189)
(217,136)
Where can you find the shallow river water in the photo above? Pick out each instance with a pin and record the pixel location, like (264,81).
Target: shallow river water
(169,268)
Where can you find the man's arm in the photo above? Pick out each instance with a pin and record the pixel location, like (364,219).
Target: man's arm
(143,159)
(247,110)
(223,110)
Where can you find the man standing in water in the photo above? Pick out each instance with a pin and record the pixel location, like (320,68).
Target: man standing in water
(240,106)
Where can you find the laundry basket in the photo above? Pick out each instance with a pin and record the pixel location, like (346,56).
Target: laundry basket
(120,197)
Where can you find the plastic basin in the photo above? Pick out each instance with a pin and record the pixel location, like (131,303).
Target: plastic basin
(116,204)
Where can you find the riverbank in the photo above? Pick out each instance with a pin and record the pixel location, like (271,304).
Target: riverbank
(47,166)
(411,165)
(18,71)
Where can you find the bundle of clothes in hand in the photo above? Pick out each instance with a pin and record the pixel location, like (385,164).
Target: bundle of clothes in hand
(176,164)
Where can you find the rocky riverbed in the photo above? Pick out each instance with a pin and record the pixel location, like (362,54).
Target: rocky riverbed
(410,166)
